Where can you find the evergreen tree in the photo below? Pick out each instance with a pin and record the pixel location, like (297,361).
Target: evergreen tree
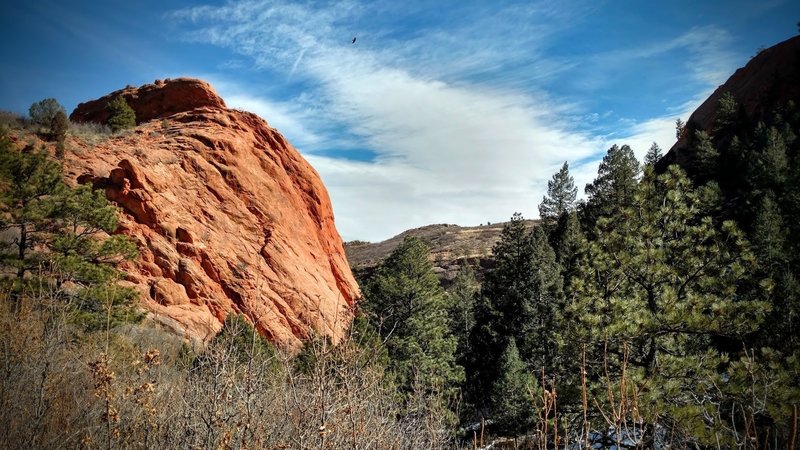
(665,280)
(408,302)
(29,180)
(704,156)
(727,112)
(59,238)
(769,235)
(560,198)
(653,155)
(541,304)
(513,393)
(43,112)
(462,310)
(120,115)
(520,299)
(59,126)
(772,162)
(613,188)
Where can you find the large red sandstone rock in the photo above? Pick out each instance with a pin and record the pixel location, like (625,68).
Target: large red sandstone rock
(768,80)
(227,217)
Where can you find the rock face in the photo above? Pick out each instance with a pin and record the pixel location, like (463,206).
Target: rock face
(769,79)
(161,99)
(451,246)
(228,217)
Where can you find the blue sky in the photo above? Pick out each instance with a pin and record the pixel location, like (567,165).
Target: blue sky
(441,112)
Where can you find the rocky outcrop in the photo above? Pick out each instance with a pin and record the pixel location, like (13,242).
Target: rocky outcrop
(228,217)
(450,245)
(161,99)
(767,81)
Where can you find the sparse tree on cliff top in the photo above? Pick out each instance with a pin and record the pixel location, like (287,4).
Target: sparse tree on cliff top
(43,111)
(121,116)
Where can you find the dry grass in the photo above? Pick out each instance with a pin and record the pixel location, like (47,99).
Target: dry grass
(140,388)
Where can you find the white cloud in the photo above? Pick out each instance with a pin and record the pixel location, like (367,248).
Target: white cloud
(447,150)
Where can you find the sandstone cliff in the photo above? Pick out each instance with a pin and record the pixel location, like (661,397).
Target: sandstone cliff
(767,81)
(227,216)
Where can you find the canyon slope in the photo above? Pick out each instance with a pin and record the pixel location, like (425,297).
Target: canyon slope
(227,216)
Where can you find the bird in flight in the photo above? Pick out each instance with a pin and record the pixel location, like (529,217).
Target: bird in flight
(354,41)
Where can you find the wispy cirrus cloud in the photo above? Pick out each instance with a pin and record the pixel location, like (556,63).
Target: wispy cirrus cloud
(455,113)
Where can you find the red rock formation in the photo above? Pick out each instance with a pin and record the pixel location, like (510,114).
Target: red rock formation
(153,101)
(226,214)
(769,79)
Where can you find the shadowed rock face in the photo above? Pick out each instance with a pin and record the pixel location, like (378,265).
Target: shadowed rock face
(770,79)
(226,214)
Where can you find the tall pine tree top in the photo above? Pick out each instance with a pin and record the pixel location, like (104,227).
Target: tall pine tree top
(560,198)
(614,186)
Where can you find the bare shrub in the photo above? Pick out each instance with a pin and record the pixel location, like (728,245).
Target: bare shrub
(138,387)
(90,132)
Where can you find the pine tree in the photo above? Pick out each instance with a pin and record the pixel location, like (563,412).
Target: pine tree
(461,297)
(668,282)
(653,155)
(769,235)
(520,299)
(704,156)
(613,188)
(772,163)
(29,181)
(512,393)
(408,302)
(727,112)
(560,198)
(539,315)
(120,115)
(59,238)
(59,126)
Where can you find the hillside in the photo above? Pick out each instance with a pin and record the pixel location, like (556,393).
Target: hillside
(450,245)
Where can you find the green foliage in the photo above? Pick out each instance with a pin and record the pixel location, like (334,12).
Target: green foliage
(59,125)
(614,187)
(704,156)
(461,298)
(246,344)
(59,241)
(521,299)
(44,111)
(680,127)
(406,299)
(560,198)
(29,181)
(120,115)
(513,393)
(727,112)
(669,282)
(653,155)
